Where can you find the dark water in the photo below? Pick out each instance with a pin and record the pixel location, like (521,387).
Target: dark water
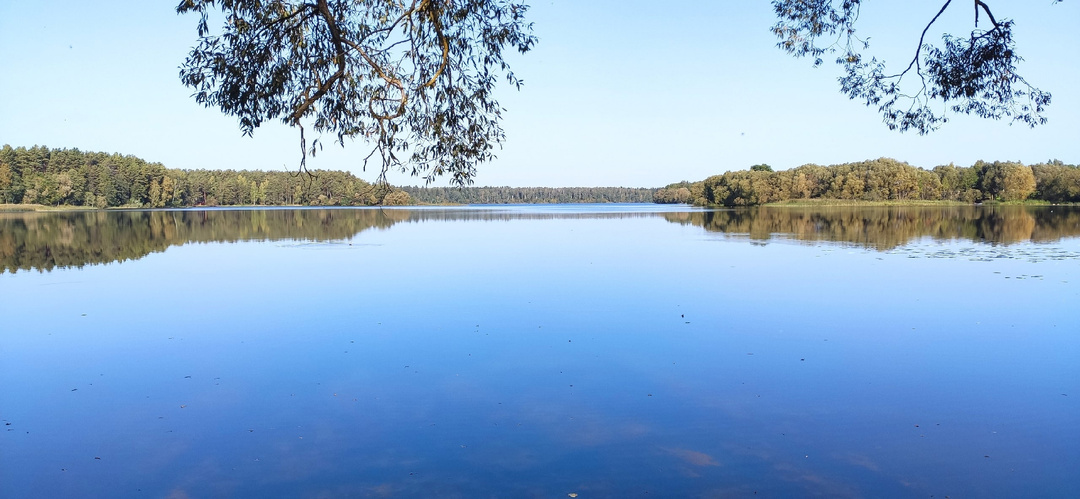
(605,351)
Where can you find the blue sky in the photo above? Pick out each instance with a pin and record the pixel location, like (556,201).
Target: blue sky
(617,93)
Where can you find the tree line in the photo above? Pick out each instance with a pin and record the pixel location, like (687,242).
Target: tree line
(40,175)
(70,177)
(883,179)
(528,195)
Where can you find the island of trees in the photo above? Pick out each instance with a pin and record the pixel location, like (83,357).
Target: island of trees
(882,180)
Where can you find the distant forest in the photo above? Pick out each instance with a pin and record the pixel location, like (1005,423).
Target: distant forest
(530,195)
(39,175)
(882,180)
(70,177)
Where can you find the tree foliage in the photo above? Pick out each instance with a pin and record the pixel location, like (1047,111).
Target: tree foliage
(39,175)
(678,193)
(973,74)
(414,78)
(887,179)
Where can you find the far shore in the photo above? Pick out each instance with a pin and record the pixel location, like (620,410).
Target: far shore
(795,203)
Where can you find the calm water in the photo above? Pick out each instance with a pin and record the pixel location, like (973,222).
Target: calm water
(606,351)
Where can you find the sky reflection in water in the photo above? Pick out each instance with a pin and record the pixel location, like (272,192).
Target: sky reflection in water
(534,352)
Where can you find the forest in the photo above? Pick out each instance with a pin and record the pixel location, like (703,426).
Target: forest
(882,179)
(528,195)
(70,177)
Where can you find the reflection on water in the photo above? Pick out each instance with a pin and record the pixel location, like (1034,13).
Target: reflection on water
(45,241)
(540,352)
(884,228)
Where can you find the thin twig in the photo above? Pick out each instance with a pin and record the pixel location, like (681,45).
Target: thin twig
(915,60)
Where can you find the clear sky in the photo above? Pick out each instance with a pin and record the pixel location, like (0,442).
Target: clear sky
(617,93)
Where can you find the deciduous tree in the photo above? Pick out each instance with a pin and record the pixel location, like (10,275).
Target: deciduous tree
(973,74)
(414,77)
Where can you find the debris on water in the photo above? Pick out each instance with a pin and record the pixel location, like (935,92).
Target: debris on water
(572,494)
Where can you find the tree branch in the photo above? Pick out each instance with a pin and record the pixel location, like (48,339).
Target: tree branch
(335,35)
(915,60)
(979,3)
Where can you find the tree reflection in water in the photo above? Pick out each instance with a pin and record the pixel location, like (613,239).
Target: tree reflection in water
(46,240)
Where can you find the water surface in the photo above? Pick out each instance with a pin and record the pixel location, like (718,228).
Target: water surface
(537,351)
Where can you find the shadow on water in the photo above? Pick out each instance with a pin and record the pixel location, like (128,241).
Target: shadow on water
(47,240)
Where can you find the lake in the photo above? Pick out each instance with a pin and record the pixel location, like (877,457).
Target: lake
(541,351)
